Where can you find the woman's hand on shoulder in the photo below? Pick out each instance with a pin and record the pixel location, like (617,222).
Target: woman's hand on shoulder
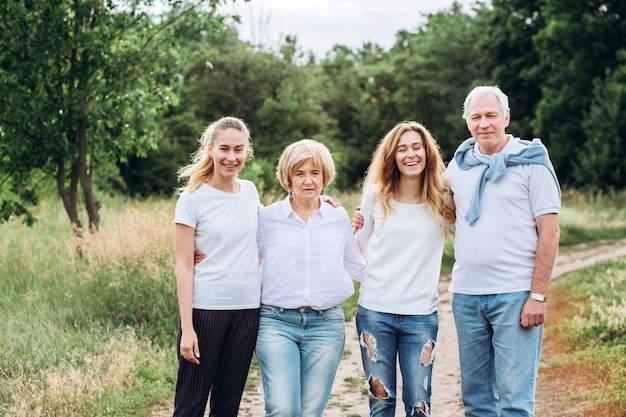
(330,201)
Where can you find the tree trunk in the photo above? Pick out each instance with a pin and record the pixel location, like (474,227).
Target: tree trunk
(69,196)
(85,175)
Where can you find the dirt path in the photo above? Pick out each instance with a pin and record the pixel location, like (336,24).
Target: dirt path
(349,398)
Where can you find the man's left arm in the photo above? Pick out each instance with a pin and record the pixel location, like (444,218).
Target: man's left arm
(534,311)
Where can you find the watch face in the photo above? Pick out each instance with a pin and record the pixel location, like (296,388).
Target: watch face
(538,297)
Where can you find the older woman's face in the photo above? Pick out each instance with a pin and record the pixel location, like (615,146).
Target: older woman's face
(307,181)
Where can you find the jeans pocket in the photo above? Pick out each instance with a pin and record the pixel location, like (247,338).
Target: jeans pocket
(333,314)
(269,311)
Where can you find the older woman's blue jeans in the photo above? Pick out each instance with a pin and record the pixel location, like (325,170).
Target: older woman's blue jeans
(386,338)
(499,358)
(298,353)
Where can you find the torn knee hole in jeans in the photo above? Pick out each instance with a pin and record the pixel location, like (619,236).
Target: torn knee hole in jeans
(377,388)
(369,343)
(421,410)
(428,353)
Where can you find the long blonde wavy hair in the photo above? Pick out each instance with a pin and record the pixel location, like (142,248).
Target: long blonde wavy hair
(201,168)
(383,175)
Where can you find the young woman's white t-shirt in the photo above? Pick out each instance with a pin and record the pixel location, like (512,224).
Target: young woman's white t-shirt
(226,229)
(403,254)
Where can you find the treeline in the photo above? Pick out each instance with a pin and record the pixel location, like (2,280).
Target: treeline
(562,63)
(105,92)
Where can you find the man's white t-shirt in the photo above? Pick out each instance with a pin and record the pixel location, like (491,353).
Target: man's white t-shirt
(497,254)
(226,229)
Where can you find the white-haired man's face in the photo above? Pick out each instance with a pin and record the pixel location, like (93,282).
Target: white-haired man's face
(487,124)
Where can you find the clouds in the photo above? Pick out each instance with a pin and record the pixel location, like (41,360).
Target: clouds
(320,24)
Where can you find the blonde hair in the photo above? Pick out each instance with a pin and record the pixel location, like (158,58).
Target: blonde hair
(298,153)
(383,175)
(202,167)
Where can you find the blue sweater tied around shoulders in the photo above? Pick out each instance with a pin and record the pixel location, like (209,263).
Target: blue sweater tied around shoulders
(466,157)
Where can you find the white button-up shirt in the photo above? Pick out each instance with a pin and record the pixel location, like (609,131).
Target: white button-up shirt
(307,264)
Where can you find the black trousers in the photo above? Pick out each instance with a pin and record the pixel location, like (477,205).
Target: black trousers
(226,339)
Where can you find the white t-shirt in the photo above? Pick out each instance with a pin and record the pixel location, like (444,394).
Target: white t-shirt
(307,264)
(226,228)
(497,254)
(403,255)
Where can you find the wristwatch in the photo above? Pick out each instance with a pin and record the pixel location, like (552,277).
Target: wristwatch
(538,297)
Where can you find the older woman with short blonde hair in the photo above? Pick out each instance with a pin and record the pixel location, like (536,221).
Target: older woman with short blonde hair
(308,255)
(297,153)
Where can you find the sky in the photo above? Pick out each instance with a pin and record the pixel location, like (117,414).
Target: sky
(320,24)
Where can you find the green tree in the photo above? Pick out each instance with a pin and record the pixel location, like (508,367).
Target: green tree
(435,67)
(512,61)
(278,99)
(578,44)
(155,172)
(357,95)
(601,159)
(81,85)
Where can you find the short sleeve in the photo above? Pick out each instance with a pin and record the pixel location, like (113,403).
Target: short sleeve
(184,212)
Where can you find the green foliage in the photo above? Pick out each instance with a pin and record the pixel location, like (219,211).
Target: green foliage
(263,173)
(595,332)
(600,316)
(114,96)
(512,59)
(348,101)
(98,315)
(570,69)
(588,217)
(434,69)
(275,97)
(81,86)
(15,201)
(601,160)
(448,255)
(345,78)
(573,235)
(127,297)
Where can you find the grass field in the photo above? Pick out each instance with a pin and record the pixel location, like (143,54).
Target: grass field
(88,325)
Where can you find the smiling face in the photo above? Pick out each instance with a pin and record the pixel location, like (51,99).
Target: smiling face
(307,181)
(229,152)
(487,123)
(410,154)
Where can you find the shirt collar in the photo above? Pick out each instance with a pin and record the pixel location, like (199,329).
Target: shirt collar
(287,210)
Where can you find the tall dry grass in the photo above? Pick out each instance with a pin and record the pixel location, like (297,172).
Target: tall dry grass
(87,321)
(88,325)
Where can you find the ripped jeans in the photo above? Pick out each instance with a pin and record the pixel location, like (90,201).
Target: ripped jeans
(386,338)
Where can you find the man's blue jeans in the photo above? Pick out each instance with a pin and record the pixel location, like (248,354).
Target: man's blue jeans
(299,352)
(386,338)
(499,358)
